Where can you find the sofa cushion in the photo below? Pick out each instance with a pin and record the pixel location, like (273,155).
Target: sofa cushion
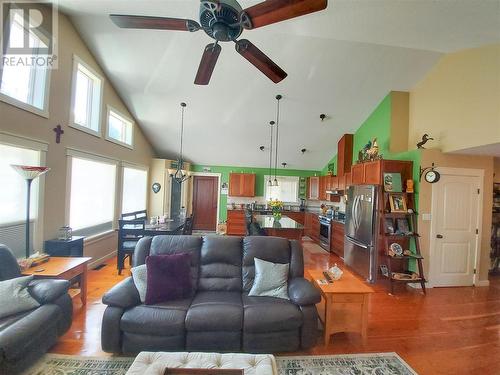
(15,296)
(168,278)
(215,311)
(270,249)
(269,314)
(163,319)
(220,264)
(176,244)
(140,277)
(270,279)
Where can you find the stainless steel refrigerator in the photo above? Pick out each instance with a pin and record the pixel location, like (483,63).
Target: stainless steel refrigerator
(360,245)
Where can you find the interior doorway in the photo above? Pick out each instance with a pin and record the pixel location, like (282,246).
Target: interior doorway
(456,229)
(205,202)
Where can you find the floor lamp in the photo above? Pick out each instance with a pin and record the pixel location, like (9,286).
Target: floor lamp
(29,173)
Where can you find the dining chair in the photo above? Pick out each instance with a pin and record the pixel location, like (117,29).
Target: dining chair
(187,229)
(129,233)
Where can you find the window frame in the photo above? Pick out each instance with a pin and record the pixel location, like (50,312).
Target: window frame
(125,118)
(266,178)
(74,153)
(98,116)
(42,147)
(122,180)
(44,111)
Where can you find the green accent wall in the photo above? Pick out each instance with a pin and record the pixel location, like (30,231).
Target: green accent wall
(259,179)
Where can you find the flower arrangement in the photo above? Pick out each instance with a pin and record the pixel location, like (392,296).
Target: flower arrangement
(276,207)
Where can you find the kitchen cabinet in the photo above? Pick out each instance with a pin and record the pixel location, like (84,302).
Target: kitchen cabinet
(236,225)
(313,188)
(297,216)
(322,188)
(348,179)
(372,173)
(344,154)
(337,238)
(341,183)
(311,226)
(242,185)
(358,174)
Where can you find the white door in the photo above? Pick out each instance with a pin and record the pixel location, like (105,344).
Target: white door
(455,215)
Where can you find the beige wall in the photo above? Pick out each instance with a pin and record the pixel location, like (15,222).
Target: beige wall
(19,122)
(425,201)
(458,102)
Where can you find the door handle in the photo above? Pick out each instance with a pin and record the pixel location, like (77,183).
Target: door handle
(439,236)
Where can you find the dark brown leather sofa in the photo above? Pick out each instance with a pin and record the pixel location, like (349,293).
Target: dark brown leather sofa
(220,316)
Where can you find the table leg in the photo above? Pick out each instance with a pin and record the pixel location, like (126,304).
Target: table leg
(364,318)
(328,319)
(83,285)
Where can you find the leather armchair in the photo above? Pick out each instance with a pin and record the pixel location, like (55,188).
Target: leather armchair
(219,316)
(26,336)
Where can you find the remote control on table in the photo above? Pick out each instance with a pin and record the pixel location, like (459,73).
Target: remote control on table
(327,277)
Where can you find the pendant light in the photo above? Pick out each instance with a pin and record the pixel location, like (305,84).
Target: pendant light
(275,182)
(180,175)
(270,182)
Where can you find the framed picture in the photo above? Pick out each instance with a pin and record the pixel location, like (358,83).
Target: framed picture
(397,202)
(392,183)
(389,226)
(402,225)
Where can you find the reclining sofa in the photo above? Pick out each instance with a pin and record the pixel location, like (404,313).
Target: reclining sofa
(26,336)
(219,316)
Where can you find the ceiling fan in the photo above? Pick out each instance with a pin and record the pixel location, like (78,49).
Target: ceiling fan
(224,21)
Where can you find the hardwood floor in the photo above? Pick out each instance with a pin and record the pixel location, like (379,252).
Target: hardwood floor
(449,331)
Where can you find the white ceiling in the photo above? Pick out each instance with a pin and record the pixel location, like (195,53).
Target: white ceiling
(341,62)
(492,149)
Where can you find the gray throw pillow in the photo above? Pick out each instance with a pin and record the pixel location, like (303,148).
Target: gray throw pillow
(15,296)
(271,279)
(140,277)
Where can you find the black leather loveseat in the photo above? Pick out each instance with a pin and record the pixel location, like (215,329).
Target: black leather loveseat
(220,316)
(27,335)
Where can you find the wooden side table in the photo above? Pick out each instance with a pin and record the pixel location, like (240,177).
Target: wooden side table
(344,304)
(73,269)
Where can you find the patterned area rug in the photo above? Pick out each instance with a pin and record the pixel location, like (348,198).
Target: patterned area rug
(345,364)
(353,364)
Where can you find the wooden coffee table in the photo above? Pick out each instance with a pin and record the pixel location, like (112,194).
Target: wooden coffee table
(73,269)
(344,304)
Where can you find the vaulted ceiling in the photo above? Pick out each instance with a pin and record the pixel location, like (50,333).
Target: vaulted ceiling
(341,61)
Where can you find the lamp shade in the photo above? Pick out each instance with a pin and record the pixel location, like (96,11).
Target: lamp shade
(30,172)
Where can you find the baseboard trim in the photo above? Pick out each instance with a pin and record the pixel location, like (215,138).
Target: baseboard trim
(101,260)
(482,283)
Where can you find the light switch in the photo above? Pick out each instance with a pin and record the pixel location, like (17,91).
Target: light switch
(426,217)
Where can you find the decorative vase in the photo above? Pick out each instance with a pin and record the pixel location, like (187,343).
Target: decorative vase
(277,215)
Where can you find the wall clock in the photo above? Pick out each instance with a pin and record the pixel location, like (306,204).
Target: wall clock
(156,187)
(432,176)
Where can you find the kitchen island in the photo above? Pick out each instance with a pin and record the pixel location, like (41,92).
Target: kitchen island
(285,227)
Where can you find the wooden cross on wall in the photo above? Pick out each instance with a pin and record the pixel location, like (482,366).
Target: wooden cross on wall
(58,130)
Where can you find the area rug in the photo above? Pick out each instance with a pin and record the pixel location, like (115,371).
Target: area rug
(58,364)
(352,364)
(345,364)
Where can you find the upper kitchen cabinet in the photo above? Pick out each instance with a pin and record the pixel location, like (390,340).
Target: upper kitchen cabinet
(344,154)
(322,188)
(242,185)
(313,188)
(371,173)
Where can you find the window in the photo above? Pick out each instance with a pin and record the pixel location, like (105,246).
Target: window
(120,128)
(13,186)
(135,185)
(24,86)
(86,98)
(92,198)
(287,191)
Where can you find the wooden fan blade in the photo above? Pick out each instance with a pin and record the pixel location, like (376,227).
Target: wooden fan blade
(258,59)
(272,11)
(207,64)
(160,23)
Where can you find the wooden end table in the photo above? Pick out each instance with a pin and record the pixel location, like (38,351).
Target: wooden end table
(73,269)
(344,304)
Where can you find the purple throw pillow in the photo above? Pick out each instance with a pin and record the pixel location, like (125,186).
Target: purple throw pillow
(168,277)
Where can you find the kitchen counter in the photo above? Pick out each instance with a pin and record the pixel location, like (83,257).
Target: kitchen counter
(268,221)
